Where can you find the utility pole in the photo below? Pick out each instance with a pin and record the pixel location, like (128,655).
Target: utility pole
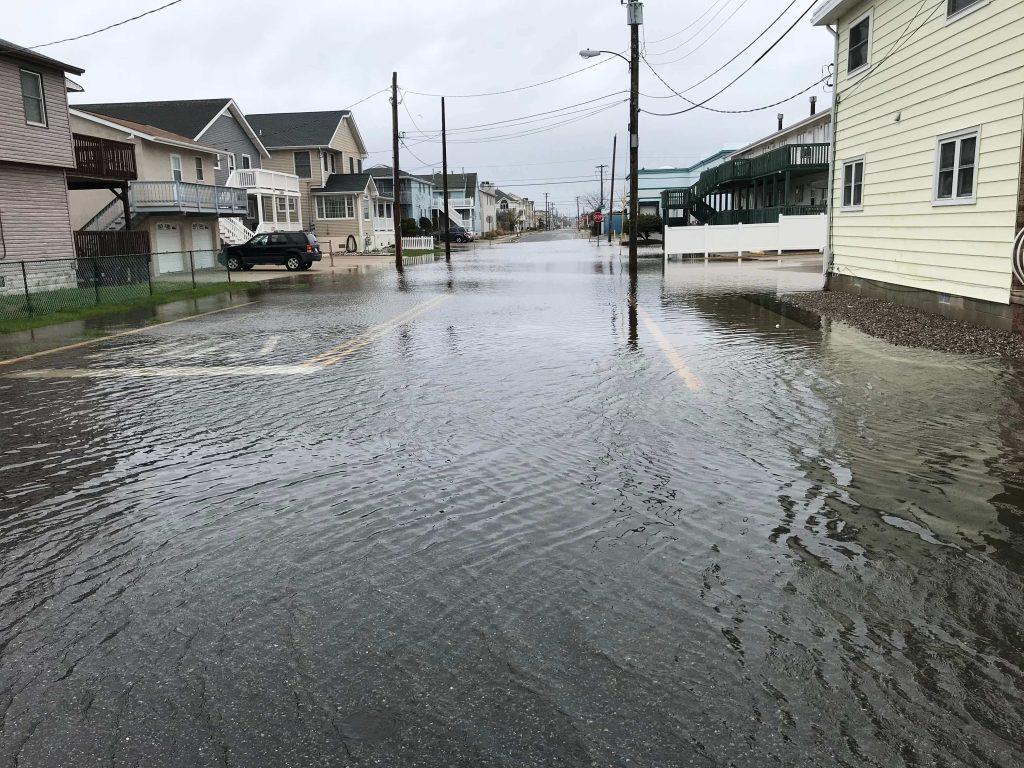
(547,213)
(600,206)
(577,215)
(444,173)
(611,191)
(635,17)
(397,174)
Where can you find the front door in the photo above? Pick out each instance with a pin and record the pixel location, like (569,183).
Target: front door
(168,248)
(204,255)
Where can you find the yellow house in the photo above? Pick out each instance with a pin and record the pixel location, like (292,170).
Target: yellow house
(926,187)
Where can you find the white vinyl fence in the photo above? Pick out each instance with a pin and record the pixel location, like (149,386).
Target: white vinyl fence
(418,243)
(791,233)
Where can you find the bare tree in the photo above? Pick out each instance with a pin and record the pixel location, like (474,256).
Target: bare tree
(590,202)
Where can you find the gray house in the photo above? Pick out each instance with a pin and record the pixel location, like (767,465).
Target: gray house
(219,123)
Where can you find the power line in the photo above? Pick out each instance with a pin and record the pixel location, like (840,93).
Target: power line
(104,29)
(510,90)
(811,87)
(694,36)
(687,29)
(758,60)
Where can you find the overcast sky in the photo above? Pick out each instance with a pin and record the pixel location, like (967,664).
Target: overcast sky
(329,54)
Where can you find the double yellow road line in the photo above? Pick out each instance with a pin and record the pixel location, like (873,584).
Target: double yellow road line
(343,350)
(684,373)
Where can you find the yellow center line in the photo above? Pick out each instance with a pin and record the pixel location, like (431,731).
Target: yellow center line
(343,350)
(670,353)
(97,340)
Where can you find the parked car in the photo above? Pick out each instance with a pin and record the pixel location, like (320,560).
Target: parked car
(294,250)
(458,234)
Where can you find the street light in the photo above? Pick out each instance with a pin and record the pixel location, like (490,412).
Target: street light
(635,19)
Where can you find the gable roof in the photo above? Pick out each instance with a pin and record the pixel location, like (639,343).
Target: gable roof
(7,48)
(282,130)
(148,132)
(499,195)
(185,118)
(464,181)
(346,183)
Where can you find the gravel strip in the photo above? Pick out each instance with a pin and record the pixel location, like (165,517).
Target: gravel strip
(908,327)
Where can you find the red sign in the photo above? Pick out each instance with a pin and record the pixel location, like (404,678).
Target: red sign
(598,217)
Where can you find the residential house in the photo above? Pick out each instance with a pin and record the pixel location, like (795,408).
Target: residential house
(514,212)
(321,148)
(36,152)
(778,183)
(416,196)
(653,182)
(464,199)
(175,198)
(927,183)
(272,195)
(488,208)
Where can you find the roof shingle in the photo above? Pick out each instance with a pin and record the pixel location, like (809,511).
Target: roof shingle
(297,129)
(185,118)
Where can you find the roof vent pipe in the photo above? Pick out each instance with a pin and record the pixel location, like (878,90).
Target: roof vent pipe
(814,105)
(781,116)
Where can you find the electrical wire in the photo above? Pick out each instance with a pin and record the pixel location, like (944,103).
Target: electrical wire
(104,29)
(509,90)
(696,105)
(687,29)
(811,87)
(694,36)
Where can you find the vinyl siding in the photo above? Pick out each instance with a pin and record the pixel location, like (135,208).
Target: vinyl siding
(344,141)
(21,143)
(227,134)
(944,77)
(34,213)
(282,160)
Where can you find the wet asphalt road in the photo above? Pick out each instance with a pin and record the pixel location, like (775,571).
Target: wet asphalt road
(485,515)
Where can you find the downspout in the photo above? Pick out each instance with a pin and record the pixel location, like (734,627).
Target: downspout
(827,260)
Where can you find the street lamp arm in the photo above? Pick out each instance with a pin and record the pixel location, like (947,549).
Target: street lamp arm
(589,53)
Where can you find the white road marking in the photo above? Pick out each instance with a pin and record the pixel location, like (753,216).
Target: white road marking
(203,350)
(270,346)
(168,372)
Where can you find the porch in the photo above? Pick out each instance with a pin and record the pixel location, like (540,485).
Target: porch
(101,163)
(272,200)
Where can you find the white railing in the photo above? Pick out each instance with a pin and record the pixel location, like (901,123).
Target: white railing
(111,218)
(791,233)
(233,231)
(184,196)
(259,179)
(454,202)
(418,243)
(279,226)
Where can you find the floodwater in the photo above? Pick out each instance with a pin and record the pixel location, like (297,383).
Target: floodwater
(485,515)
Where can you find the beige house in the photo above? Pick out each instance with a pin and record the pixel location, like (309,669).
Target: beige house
(322,148)
(927,194)
(175,199)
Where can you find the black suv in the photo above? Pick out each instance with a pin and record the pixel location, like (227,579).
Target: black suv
(295,250)
(458,235)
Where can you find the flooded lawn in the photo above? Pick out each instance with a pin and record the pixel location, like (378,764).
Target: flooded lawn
(483,514)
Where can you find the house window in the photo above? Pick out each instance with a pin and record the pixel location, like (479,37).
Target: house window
(955,7)
(291,205)
(853,184)
(335,207)
(246,162)
(232,162)
(32,98)
(956,169)
(199,169)
(176,167)
(302,167)
(860,44)
(360,165)
(351,165)
(323,157)
(281,205)
(334,163)
(216,162)
(366,207)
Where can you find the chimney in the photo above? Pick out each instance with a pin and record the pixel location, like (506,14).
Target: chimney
(781,116)
(814,105)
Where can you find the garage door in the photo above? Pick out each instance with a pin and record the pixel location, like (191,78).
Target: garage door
(204,254)
(168,246)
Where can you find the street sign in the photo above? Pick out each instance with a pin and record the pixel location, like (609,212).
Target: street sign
(598,217)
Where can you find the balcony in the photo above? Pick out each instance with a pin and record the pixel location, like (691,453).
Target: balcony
(99,163)
(454,202)
(155,197)
(257,180)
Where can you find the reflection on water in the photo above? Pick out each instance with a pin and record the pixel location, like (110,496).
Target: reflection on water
(500,536)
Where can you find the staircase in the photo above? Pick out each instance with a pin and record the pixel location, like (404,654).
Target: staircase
(233,231)
(110,219)
(701,211)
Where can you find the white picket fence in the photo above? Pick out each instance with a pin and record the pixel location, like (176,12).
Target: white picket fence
(791,233)
(418,243)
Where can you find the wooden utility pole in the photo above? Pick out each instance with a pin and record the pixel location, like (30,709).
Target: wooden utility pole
(600,205)
(397,174)
(635,18)
(577,215)
(611,191)
(547,213)
(444,174)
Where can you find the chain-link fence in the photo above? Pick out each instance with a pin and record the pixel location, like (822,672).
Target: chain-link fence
(32,288)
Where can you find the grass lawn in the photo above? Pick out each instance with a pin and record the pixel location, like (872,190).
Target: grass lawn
(66,304)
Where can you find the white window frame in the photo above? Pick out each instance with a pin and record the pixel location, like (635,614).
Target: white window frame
(282,206)
(348,204)
(957,136)
(42,98)
(246,162)
(863,184)
(200,170)
(950,18)
(180,169)
(870,16)
(216,162)
(232,162)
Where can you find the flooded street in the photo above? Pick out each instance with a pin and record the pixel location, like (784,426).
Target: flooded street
(481,514)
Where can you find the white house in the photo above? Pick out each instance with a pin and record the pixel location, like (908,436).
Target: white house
(926,182)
